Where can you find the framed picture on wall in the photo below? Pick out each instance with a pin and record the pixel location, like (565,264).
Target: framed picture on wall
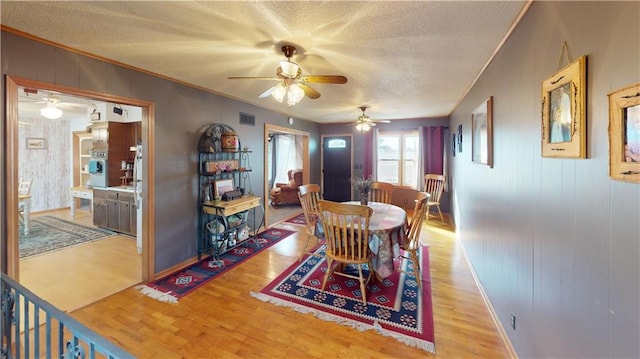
(624,134)
(482,133)
(453,144)
(563,112)
(36,144)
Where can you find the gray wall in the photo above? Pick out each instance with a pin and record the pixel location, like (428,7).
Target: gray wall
(555,241)
(181,114)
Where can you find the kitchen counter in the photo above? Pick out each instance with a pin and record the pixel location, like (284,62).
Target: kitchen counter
(130,189)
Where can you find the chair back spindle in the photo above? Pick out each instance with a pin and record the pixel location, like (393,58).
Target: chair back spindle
(346,231)
(381,192)
(309,195)
(434,185)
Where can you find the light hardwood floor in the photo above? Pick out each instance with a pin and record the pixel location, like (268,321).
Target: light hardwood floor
(76,276)
(282,212)
(222,320)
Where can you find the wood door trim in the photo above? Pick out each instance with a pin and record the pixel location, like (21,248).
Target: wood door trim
(269,128)
(11,260)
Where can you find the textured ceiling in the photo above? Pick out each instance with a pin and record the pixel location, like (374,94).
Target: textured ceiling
(403,59)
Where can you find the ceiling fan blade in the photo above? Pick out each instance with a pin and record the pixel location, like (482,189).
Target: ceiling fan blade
(308,91)
(381,121)
(252,78)
(324,79)
(267,92)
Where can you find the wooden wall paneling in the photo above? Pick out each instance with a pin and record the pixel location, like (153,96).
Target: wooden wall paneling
(550,238)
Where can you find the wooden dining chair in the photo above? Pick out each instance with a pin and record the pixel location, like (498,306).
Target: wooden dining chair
(346,232)
(434,185)
(24,189)
(309,195)
(411,245)
(381,192)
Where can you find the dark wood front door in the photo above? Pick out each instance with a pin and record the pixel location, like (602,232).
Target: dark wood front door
(336,165)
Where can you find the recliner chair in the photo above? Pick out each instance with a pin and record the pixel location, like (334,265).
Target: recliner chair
(287,193)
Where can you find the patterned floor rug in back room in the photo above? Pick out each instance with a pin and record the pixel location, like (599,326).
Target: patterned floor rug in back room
(48,233)
(395,307)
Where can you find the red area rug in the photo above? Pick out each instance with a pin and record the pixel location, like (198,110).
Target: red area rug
(394,308)
(176,285)
(297,219)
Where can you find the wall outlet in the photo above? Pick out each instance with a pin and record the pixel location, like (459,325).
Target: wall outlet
(513,321)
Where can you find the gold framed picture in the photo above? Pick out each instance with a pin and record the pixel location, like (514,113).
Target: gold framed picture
(482,133)
(563,112)
(624,134)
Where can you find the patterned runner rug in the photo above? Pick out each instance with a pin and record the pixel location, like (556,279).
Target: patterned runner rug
(395,308)
(178,284)
(48,233)
(297,219)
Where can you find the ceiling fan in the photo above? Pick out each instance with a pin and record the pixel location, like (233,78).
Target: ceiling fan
(52,103)
(364,123)
(291,82)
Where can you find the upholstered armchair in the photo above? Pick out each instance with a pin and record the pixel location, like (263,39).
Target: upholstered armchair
(287,193)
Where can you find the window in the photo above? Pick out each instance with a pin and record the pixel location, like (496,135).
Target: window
(398,158)
(337,143)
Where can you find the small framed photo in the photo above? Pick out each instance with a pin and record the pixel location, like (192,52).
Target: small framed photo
(453,144)
(563,112)
(482,134)
(460,138)
(222,186)
(624,134)
(36,144)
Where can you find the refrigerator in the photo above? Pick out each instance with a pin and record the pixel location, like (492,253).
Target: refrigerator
(137,187)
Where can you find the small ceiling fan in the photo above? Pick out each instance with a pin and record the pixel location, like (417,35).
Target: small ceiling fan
(291,81)
(364,123)
(53,104)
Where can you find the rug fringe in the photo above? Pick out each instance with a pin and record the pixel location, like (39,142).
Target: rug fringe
(420,344)
(416,343)
(156,294)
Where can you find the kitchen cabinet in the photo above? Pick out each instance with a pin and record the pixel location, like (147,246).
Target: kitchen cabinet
(114,140)
(81,189)
(115,209)
(83,143)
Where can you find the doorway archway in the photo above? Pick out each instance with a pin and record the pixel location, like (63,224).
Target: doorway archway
(270,129)
(11,247)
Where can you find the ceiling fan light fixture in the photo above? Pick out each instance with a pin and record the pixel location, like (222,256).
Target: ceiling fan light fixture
(279,92)
(51,111)
(295,95)
(363,127)
(290,69)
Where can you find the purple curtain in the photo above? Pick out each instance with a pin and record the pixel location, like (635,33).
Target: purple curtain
(433,140)
(367,167)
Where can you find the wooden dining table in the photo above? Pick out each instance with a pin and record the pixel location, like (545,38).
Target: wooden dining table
(387,229)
